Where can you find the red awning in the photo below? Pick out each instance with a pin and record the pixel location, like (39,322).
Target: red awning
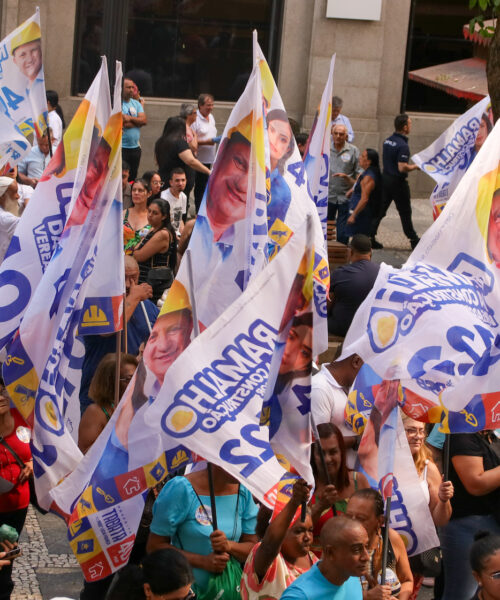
(461,78)
(475,36)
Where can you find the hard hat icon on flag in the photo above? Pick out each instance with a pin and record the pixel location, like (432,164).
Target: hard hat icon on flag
(177,299)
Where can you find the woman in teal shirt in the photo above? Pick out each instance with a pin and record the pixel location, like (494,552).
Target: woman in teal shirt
(182,518)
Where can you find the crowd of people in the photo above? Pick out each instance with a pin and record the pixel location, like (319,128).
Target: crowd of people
(202,534)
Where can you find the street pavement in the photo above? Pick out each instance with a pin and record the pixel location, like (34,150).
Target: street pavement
(48,568)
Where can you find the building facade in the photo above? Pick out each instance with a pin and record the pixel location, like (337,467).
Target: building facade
(180,48)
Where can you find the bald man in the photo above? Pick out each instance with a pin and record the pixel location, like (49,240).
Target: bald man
(345,559)
(96,346)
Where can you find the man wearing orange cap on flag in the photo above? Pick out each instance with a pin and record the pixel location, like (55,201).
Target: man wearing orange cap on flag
(27,52)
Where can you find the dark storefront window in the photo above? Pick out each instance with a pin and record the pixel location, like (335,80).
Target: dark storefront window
(435,37)
(179,48)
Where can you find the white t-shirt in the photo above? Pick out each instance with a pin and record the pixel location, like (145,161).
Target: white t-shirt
(178,207)
(328,400)
(55,124)
(205,129)
(8,224)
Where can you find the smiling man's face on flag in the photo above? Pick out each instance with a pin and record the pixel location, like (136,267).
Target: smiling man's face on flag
(227,187)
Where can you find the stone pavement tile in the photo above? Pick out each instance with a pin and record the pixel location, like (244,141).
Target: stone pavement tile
(47,567)
(62,581)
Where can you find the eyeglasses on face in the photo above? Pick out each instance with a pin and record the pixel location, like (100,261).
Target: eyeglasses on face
(414,432)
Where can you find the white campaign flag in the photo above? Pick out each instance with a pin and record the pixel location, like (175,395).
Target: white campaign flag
(434,323)
(212,395)
(38,376)
(23,105)
(317,157)
(448,158)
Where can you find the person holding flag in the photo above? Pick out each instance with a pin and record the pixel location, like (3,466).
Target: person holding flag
(284,552)
(183,518)
(367,506)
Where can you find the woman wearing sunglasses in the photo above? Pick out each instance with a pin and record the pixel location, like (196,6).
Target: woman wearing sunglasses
(485,563)
(163,575)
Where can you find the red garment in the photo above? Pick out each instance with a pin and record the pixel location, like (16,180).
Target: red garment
(19,441)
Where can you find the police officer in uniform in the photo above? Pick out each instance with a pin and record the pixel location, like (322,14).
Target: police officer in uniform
(396,155)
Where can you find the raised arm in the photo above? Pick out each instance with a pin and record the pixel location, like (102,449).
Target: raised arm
(277,529)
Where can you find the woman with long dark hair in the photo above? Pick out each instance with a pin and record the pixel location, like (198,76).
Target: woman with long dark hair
(334,488)
(366,196)
(367,507)
(135,218)
(155,183)
(172,150)
(157,250)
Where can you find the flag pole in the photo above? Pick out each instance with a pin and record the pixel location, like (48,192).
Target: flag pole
(385,547)
(49,137)
(322,459)
(118,358)
(196,331)
(146,316)
(446,456)
(124,331)
(303,507)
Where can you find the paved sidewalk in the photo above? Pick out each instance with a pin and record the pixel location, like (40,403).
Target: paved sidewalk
(47,567)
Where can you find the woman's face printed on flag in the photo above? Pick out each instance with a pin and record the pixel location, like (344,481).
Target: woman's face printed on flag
(298,350)
(494,229)
(280,135)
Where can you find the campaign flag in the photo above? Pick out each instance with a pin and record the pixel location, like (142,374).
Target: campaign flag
(23,105)
(447,158)
(385,458)
(433,324)
(317,155)
(289,200)
(44,219)
(228,245)
(208,401)
(287,404)
(84,177)
(211,398)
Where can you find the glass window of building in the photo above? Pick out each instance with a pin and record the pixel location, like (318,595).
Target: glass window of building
(180,48)
(435,37)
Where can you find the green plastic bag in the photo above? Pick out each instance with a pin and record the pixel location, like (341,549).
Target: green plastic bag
(223,586)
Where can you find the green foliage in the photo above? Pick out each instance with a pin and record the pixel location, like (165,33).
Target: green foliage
(492,8)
